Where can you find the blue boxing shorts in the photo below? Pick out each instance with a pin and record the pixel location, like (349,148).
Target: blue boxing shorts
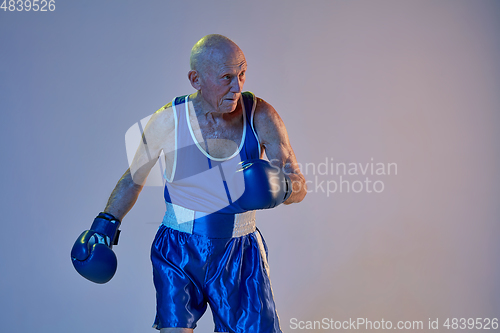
(207,264)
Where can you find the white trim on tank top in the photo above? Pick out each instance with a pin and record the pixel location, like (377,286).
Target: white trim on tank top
(174,167)
(254,105)
(197,143)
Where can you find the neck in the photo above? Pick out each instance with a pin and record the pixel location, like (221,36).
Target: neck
(203,109)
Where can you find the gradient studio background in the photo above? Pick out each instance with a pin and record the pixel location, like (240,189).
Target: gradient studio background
(414,83)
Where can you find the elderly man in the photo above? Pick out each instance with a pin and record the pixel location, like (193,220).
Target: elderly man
(207,249)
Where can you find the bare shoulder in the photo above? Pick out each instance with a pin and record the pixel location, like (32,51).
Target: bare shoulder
(159,131)
(268,123)
(163,119)
(265,111)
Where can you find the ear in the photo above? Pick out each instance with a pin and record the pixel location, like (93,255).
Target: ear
(194,78)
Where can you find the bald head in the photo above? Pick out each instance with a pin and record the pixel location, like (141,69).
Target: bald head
(210,49)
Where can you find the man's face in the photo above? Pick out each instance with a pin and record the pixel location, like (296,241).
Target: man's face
(222,80)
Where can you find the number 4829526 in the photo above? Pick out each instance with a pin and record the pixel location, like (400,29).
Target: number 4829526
(27,5)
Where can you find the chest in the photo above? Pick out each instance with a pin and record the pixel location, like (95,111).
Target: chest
(219,140)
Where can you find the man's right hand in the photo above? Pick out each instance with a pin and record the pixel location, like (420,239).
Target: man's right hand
(92,255)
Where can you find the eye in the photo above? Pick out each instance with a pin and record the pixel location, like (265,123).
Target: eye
(227,77)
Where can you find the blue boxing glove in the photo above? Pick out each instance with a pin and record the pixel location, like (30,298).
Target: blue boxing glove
(266,186)
(92,255)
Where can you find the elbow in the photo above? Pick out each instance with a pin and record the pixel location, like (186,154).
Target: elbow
(132,182)
(299,189)
(301,195)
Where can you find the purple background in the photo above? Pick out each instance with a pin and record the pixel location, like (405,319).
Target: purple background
(409,82)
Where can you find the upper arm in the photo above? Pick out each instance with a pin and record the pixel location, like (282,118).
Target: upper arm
(155,138)
(274,138)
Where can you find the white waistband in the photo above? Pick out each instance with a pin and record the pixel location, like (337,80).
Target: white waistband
(184,219)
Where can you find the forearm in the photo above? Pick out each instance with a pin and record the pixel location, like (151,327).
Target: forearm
(123,197)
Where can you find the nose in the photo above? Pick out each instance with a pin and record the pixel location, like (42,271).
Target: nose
(237,85)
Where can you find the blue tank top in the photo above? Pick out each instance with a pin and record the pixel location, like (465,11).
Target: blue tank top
(204,183)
